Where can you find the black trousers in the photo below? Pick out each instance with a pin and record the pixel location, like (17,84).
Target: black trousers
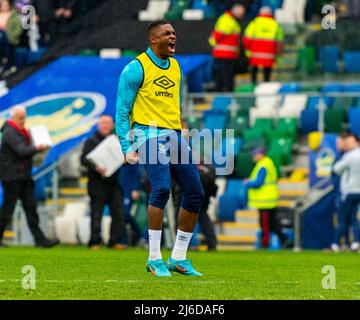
(267,74)
(23,190)
(224,73)
(269,223)
(101,194)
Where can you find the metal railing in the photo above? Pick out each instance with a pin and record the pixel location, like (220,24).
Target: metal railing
(189,106)
(50,211)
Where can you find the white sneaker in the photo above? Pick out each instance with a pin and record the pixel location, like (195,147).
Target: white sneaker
(335,247)
(355,246)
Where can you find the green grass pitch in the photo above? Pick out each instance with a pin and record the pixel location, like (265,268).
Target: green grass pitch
(78,273)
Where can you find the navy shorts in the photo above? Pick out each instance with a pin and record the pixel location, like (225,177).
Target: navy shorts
(170,157)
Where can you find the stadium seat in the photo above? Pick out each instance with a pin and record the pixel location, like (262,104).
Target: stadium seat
(177,9)
(193,14)
(264,125)
(243,164)
(334,121)
(264,112)
(313,102)
(238,123)
(155,10)
(252,134)
(266,94)
(306,60)
(245,88)
(352,61)
(282,146)
(354,120)
(231,200)
(309,121)
(277,159)
(221,103)
(329,57)
(290,88)
(193,123)
(297,8)
(273,4)
(214,120)
(331,88)
(293,105)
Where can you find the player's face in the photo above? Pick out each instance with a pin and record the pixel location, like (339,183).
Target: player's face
(165,40)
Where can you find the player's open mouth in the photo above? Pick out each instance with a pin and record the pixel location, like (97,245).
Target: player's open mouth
(172,46)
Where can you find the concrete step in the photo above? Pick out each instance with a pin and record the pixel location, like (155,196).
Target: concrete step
(239,229)
(73,192)
(246,217)
(232,239)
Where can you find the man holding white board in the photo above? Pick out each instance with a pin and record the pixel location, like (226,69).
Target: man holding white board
(16,152)
(103,186)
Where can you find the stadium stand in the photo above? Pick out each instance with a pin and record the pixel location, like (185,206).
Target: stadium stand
(61,87)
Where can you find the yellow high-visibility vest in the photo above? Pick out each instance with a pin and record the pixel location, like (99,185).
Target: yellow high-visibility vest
(157,102)
(267,196)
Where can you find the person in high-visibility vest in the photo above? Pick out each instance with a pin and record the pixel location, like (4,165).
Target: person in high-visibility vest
(263,42)
(263,194)
(225,40)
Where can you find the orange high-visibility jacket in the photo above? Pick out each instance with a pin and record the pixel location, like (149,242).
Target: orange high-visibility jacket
(225,37)
(263,40)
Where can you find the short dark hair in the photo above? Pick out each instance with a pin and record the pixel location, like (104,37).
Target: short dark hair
(352,135)
(153,25)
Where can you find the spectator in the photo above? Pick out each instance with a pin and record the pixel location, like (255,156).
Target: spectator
(263,194)
(103,191)
(225,39)
(10,32)
(348,170)
(15,174)
(340,145)
(65,12)
(263,41)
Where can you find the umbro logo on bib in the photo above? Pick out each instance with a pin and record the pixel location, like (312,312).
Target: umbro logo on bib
(164,82)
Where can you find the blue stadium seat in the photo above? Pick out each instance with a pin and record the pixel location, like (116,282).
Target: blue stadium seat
(309,121)
(232,200)
(331,88)
(354,120)
(329,57)
(290,88)
(312,103)
(273,4)
(221,103)
(214,119)
(352,61)
(1,196)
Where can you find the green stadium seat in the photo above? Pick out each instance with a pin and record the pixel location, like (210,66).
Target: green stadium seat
(306,60)
(243,164)
(333,119)
(282,146)
(289,126)
(245,88)
(277,158)
(263,124)
(193,123)
(245,103)
(239,124)
(252,134)
(177,9)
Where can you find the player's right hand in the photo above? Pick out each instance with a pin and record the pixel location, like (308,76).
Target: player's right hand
(132,157)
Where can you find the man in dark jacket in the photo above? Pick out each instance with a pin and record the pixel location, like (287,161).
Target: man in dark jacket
(16,155)
(103,190)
